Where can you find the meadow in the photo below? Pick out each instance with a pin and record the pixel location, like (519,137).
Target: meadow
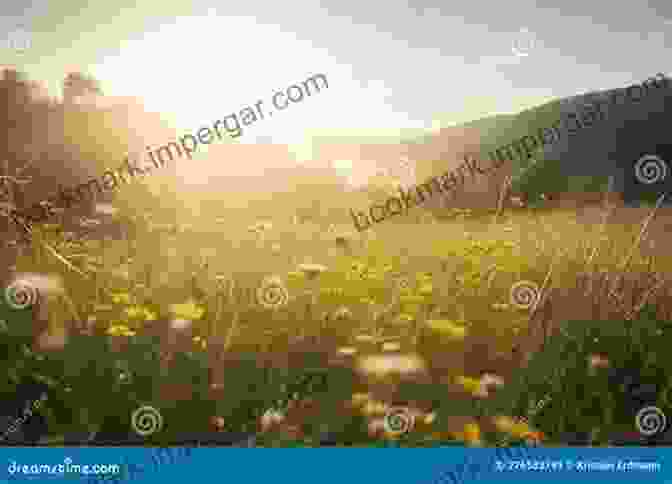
(513,325)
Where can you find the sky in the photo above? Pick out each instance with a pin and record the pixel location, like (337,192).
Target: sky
(391,65)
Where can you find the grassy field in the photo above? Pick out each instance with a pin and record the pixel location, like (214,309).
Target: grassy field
(421,332)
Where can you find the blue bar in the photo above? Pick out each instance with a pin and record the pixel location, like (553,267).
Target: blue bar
(337,465)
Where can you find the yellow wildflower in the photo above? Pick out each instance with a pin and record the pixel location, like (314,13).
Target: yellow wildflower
(134,311)
(120,330)
(149,315)
(472,385)
(472,434)
(517,428)
(121,298)
(188,310)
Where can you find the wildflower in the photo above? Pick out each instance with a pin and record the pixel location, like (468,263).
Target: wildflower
(149,315)
(472,385)
(187,310)
(134,311)
(359,399)
(391,346)
(426,290)
(120,330)
(533,438)
(472,434)
(374,407)
(489,381)
(384,365)
(518,429)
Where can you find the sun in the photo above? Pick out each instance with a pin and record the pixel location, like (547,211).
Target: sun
(198,69)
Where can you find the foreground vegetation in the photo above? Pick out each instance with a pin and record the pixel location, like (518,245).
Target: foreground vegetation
(307,335)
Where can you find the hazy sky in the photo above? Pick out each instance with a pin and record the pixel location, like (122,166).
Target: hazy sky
(390,64)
